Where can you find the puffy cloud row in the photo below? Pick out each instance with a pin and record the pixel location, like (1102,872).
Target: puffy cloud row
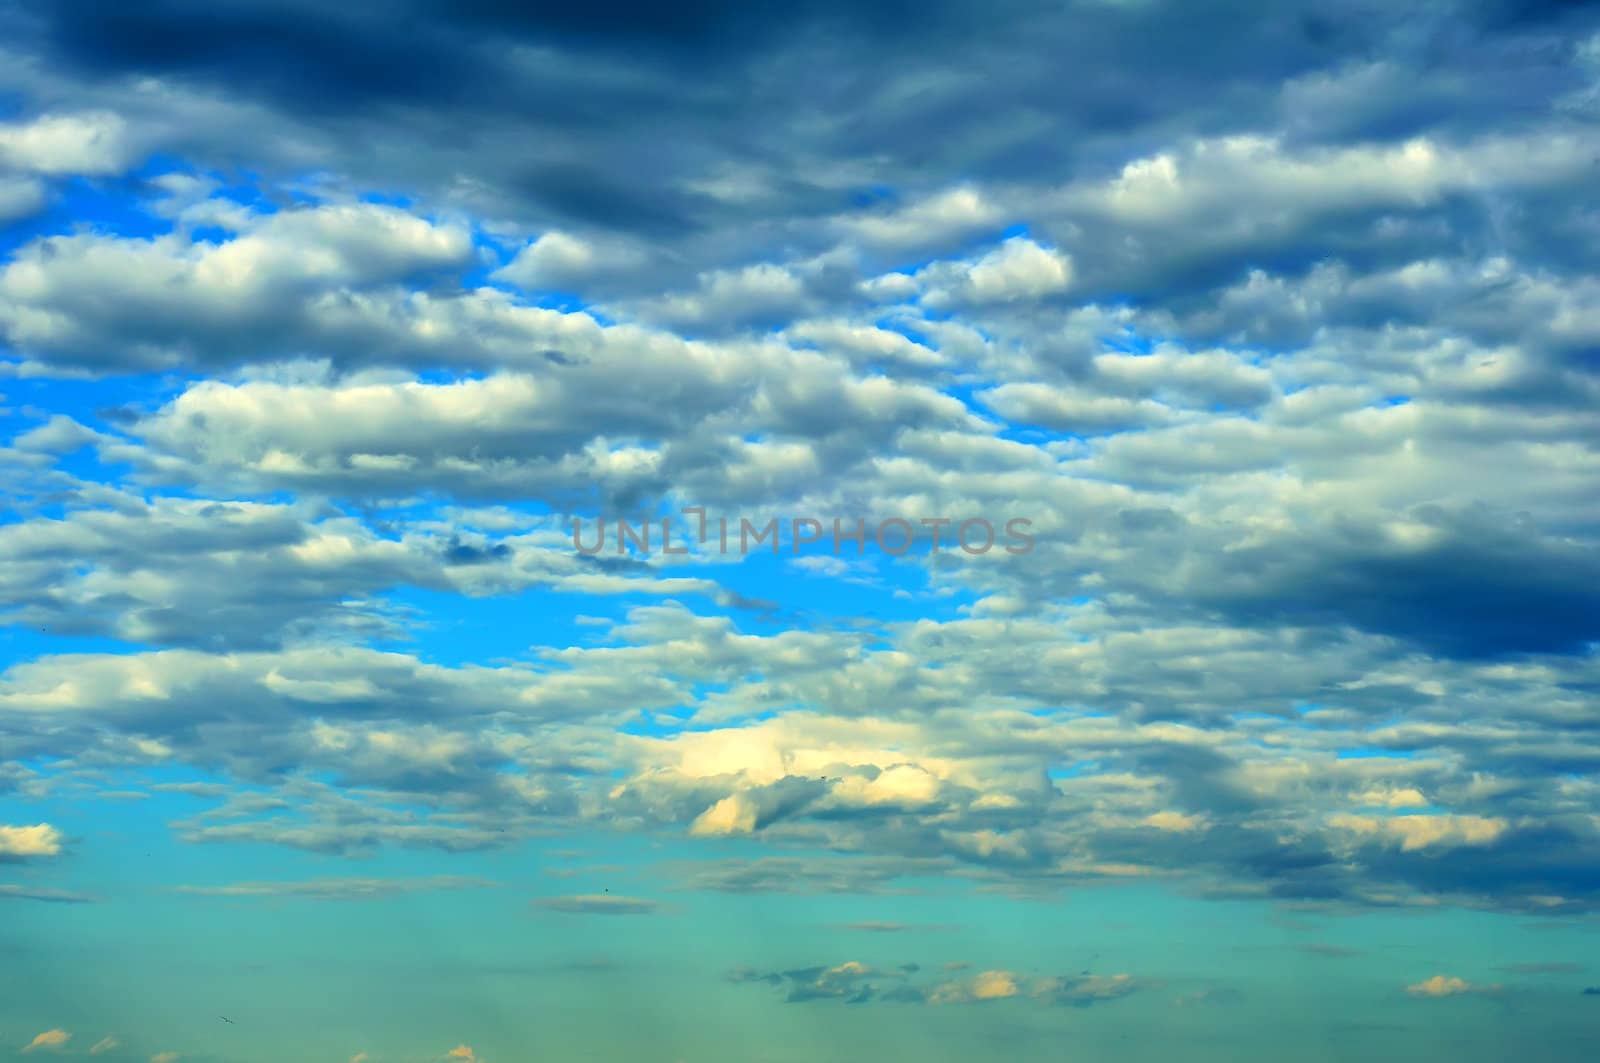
(941,749)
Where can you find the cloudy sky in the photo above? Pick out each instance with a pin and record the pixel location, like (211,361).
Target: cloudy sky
(1277,737)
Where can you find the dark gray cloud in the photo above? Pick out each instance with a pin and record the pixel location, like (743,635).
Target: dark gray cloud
(559,96)
(1481,586)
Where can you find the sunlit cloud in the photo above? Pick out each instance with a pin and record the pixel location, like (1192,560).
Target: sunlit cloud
(48,1041)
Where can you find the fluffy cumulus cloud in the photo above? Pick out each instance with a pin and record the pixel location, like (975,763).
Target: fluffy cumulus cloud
(90,144)
(320,328)
(1441,985)
(38,152)
(18,843)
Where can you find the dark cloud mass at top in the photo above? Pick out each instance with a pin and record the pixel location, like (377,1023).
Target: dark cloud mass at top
(597,114)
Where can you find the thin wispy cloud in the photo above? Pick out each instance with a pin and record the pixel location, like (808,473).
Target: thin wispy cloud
(598,904)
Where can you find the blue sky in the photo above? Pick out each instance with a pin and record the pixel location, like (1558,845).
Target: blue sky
(322,739)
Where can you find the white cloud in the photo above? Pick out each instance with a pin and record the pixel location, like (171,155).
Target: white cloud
(562,261)
(1019,269)
(1446,986)
(41,839)
(940,219)
(1414,832)
(1259,175)
(92,144)
(68,296)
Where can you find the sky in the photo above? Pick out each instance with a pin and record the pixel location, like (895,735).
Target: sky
(1160,447)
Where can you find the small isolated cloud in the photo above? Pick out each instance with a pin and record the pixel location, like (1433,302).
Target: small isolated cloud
(994,985)
(104,1045)
(16,892)
(19,843)
(462,1052)
(1446,986)
(339,889)
(598,904)
(164,1057)
(885,926)
(49,1041)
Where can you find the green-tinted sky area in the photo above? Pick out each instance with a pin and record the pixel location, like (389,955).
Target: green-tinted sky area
(501,958)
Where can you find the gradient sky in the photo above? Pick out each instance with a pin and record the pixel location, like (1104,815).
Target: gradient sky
(321,324)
